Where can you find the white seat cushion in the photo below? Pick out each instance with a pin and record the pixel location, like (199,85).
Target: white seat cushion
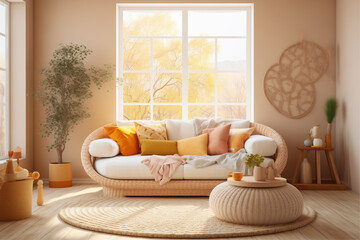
(211,172)
(129,167)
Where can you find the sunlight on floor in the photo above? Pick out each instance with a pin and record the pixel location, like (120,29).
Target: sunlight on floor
(70,195)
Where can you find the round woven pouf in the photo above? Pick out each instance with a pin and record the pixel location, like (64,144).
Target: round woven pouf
(256,206)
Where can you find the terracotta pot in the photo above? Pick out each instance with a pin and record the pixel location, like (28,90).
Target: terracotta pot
(60,175)
(259,173)
(328,140)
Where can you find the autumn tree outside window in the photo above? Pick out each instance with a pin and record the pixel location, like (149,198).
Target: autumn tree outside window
(182,61)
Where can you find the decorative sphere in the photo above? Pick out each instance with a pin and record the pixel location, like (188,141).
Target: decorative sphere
(307,142)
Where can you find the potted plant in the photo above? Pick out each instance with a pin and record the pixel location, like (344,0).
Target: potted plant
(331,106)
(63,93)
(254,160)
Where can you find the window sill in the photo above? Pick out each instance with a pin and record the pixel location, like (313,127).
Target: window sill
(3,161)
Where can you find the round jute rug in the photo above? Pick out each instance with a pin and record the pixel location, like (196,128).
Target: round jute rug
(164,218)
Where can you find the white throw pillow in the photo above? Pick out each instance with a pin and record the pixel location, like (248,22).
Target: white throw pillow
(259,144)
(179,129)
(104,147)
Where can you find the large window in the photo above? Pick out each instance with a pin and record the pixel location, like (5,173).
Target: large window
(184,61)
(4,77)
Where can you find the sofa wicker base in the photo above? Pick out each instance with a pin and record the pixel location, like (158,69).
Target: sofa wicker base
(151,188)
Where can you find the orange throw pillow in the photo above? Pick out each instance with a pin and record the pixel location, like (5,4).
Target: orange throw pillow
(238,137)
(125,137)
(218,139)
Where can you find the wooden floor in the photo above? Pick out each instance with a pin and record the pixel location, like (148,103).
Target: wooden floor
(338,218)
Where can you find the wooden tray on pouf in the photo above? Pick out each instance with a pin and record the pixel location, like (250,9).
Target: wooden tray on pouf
(249,181)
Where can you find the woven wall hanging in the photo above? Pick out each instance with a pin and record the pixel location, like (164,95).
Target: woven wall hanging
(289,85)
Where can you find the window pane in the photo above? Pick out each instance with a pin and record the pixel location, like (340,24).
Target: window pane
(152,23)
(238,112)
(217,23)
(201,54)
(201,87)
(136,112)
(232,54)
(167,54)
(136,54)
(167,88)
(171,112)
(136,88)
(2,113)
(201,111)
(231,87)
(2,18)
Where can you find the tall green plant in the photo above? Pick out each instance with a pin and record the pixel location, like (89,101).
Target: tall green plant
(64,91)
(331,106)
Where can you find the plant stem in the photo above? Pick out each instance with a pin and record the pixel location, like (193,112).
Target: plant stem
(59,151)
(329,128)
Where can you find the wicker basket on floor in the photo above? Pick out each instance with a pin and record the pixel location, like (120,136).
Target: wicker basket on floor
(120,188)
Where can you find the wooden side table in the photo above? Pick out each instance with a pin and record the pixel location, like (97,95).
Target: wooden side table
(16,200)
(336,185)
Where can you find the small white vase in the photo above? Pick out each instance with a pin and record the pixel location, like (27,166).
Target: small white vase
(317,142)
(259,173)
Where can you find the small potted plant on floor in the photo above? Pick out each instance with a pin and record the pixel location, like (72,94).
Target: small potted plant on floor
(63,93)
(254,161)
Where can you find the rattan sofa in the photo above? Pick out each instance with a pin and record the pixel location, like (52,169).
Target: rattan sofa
(120,188)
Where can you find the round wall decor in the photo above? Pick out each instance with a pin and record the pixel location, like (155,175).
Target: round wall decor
(289,84)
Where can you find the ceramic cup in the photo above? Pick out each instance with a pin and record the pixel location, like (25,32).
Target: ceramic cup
(317,142)
(237,176)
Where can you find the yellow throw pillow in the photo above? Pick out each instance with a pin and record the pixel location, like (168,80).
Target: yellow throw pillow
(151,131)
(125,137)
(237,138)
(193,146)
(158,147)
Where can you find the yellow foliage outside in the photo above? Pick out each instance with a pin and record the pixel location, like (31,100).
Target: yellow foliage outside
(167,75)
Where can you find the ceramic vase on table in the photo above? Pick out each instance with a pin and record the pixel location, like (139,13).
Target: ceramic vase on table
(328,140)
(317,142)
(259,173)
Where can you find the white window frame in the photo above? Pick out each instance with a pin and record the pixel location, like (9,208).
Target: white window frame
(7,76)
(248,7)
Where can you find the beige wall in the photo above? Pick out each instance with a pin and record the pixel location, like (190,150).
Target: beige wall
(278,24)
(347,91)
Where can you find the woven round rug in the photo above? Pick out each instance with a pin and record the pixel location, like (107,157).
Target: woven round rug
(164,218)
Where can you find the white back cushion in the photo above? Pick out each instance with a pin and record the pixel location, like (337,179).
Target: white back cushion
(259,144)
(238,123)
(104,147)
(179,129)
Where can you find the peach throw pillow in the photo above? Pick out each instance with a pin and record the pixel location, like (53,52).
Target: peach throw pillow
(125,137)
(238,137)
(218,139)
